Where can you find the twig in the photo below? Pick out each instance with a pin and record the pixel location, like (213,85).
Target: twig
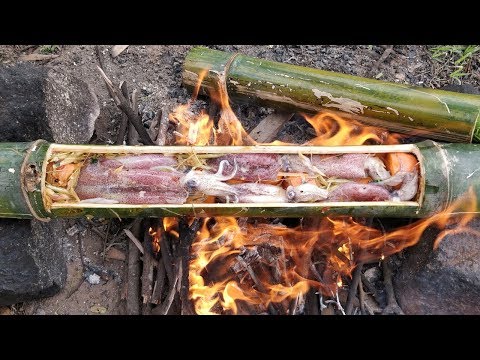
(361,297)
(153,129)
(257,282)
(132,237)
(133,135)
(28,47)
(124,105)
(382,58)
(167,257)
(105,240)
(163,310)
(122,131)
(159,284)
(147,272)
(187,235)
(100,59)
(133,272)
(353,288)
(392,307)
(162,127)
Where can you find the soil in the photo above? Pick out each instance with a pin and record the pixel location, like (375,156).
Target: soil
(156,72)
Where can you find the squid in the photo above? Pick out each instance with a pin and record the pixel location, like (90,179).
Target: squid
(208,184)
(251,167)
(100,182)
(306,193)
(259,193)
(353,191)
(343,166)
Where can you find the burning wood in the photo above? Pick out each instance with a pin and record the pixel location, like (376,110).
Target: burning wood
(257,265)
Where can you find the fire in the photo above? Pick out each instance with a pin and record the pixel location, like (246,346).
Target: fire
(155,234)
(240,266)
(332,130)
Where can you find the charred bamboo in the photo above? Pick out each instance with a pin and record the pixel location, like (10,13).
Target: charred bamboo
(436,114)
(445,172)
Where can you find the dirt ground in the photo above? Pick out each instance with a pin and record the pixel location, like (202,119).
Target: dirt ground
(156,72)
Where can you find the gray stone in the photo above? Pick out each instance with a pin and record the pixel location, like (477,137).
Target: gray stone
(40,103)
(31,258)
(441,281)
(71,108)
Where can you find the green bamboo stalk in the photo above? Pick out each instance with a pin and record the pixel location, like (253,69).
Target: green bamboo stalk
(436,114)
(448,171)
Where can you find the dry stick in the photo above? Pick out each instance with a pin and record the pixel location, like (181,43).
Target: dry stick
(163,310)
(133,135)
(105,240)
(167,257)
(122,131)
(100,60)
(382,58)
(153,129)
(392,305)
(161,118)
(352,291)
(147,272)
(361,297)
(124,105)
(162,127)
(257,282)
(186,235)
(133,272)
(131,236)
(159,284)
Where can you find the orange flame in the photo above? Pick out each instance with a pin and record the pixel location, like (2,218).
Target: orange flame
(235,266)
(155,234)
(332,130)
(238,267)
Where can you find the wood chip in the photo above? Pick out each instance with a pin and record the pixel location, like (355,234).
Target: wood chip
(4,310)
(97,309)
(116,254)
(268,128)
(37,57)
(118,49)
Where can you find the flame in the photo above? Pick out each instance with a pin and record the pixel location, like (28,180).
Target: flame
(239,267)
(331,130)
(155,234)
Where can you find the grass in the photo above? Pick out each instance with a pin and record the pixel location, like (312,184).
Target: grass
(49,49)
(457,57)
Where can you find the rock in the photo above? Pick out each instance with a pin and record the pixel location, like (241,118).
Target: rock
(442,281)
(71,108)
(93,279)
(373,274)
(32,259)
(41,103)
(464,88)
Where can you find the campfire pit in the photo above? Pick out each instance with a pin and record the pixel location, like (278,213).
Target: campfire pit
(227,244)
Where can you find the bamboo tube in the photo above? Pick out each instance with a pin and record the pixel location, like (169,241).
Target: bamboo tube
(447,171)
(436,114)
